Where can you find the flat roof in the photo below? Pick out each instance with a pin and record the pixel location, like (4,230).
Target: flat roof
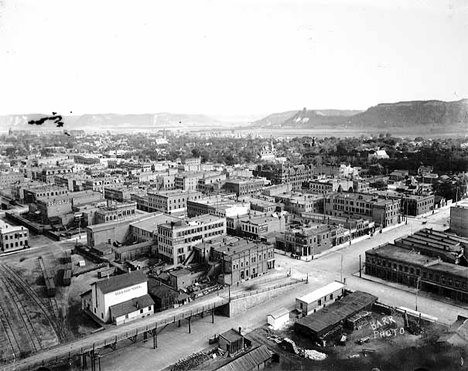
(119,282)
(152,222)
(391,251)
(197,220)
(321,292)
(455,269)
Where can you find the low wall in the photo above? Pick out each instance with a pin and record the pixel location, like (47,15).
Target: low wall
(242,304)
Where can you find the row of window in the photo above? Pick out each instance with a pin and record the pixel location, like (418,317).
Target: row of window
(15,236)
(434,277)
(12,245)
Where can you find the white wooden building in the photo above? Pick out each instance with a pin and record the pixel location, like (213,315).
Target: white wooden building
(319,298)
(121,298)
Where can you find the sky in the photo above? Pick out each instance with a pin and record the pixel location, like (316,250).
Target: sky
(228,58)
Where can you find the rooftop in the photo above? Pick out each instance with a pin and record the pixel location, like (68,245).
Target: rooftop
(248,361)
(122,281)
(338,311)
(198,220)
(231,335)
(131,305)
(151,223)
(321,292)
(391,251)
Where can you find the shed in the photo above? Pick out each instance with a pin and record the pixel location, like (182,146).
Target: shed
(278,318)
(319,298)
(256,359)
(318,324)
(231,341)
(132,309)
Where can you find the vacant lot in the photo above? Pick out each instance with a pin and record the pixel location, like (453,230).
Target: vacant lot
(385,343)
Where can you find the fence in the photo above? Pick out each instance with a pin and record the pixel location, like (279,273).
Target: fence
(240,296)
(64,352)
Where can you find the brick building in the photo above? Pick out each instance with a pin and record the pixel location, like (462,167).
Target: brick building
(415,205)
(176,239)
(397,264)
(13,238)
(243,260)
(243,187)
(170,202)
(382,211)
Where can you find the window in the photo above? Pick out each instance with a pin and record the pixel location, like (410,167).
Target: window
(141,311)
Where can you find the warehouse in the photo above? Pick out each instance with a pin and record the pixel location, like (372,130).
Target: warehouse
(318,324)
(121,298)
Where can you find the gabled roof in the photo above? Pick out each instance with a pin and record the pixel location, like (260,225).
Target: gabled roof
(122,281)
(249,361)
(131,305)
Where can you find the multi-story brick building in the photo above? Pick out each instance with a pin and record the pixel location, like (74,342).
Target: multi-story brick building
(187,181)
(357,226)
(115,211)
(397,264)
(118,193)
(72,182)
(299,203)
(415,205)
(171,201)
(99,183)
(382,211)
(13,238)
(32,194)
(242,187)
(176,239)
(328,185)
(211,182)
(281,174)
(8,178)
(256,227)
(309,241)
(243,260)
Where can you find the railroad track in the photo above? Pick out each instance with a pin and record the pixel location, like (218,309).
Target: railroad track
(17,320)
(9,334)
(25,287)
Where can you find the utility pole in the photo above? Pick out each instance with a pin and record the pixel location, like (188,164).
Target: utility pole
(341,270)
(360,266)
(417,290)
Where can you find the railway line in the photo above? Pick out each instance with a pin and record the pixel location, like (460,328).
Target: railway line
(8,337)
(25,287)
(16,321)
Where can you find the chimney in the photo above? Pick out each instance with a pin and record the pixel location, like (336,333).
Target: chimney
(240,330)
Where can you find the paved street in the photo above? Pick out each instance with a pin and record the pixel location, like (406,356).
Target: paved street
(176,343)
(339,263)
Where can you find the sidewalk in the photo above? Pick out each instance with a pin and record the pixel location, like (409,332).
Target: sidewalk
(411,290)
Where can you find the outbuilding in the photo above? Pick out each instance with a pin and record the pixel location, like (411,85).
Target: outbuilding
(231,341)
(319,298)
(278,318)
